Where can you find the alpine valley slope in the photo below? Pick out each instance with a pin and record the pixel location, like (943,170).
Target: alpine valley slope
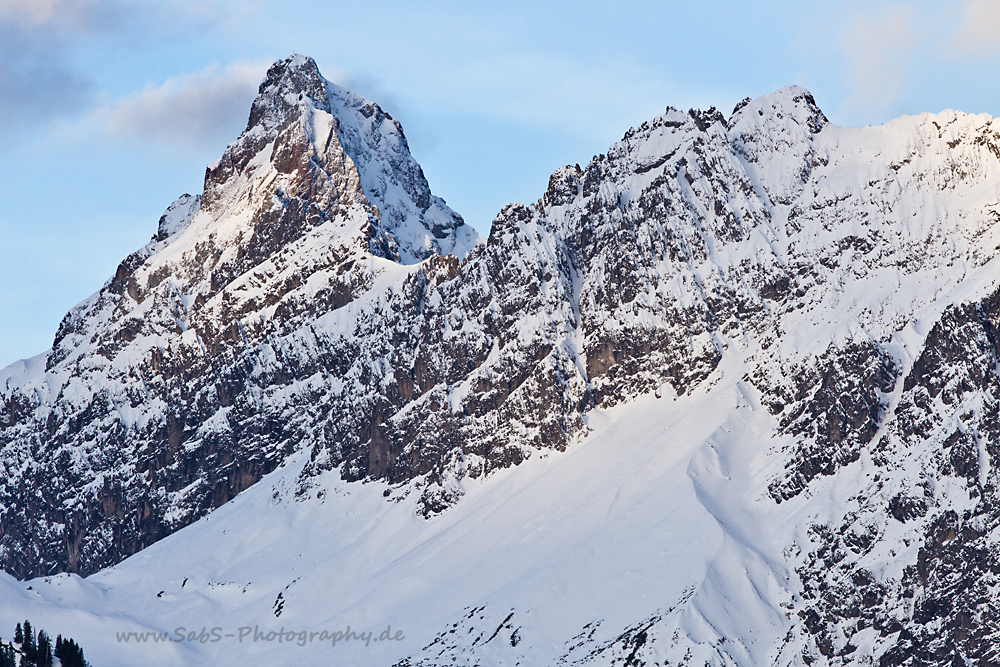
(728,395)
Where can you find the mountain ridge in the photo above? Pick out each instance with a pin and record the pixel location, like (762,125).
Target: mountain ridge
(847,277)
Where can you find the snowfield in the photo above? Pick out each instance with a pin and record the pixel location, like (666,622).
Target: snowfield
(614,529)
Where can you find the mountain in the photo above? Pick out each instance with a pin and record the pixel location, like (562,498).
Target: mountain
(174,387)
(726,395)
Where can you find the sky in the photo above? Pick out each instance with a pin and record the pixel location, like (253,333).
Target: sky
(111,109)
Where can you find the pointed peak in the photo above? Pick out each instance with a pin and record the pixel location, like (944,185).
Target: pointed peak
(288,84)
(329,148)
(301,72)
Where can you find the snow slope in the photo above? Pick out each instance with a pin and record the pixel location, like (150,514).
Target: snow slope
(611,530)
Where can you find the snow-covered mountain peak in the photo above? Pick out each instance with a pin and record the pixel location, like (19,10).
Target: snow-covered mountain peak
(774,135)
(309,137)
(791,104)
(294,82)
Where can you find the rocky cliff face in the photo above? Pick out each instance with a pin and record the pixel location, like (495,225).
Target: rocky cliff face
(317,297)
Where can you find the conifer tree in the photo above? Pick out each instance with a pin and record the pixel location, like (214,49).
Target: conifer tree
(28,647)
(43,650)
(38,650)
(69,653)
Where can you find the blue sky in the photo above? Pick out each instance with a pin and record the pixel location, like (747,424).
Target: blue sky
(110,109)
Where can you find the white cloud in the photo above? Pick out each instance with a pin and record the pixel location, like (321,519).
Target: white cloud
(979,30)
(60,19)
(29,12)
(879,48)
(38,81)
(191,109)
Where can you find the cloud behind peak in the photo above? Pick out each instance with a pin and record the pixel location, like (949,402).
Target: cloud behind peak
(190,109)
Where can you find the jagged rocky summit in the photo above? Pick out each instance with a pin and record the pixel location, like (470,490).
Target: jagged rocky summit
(318,298)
